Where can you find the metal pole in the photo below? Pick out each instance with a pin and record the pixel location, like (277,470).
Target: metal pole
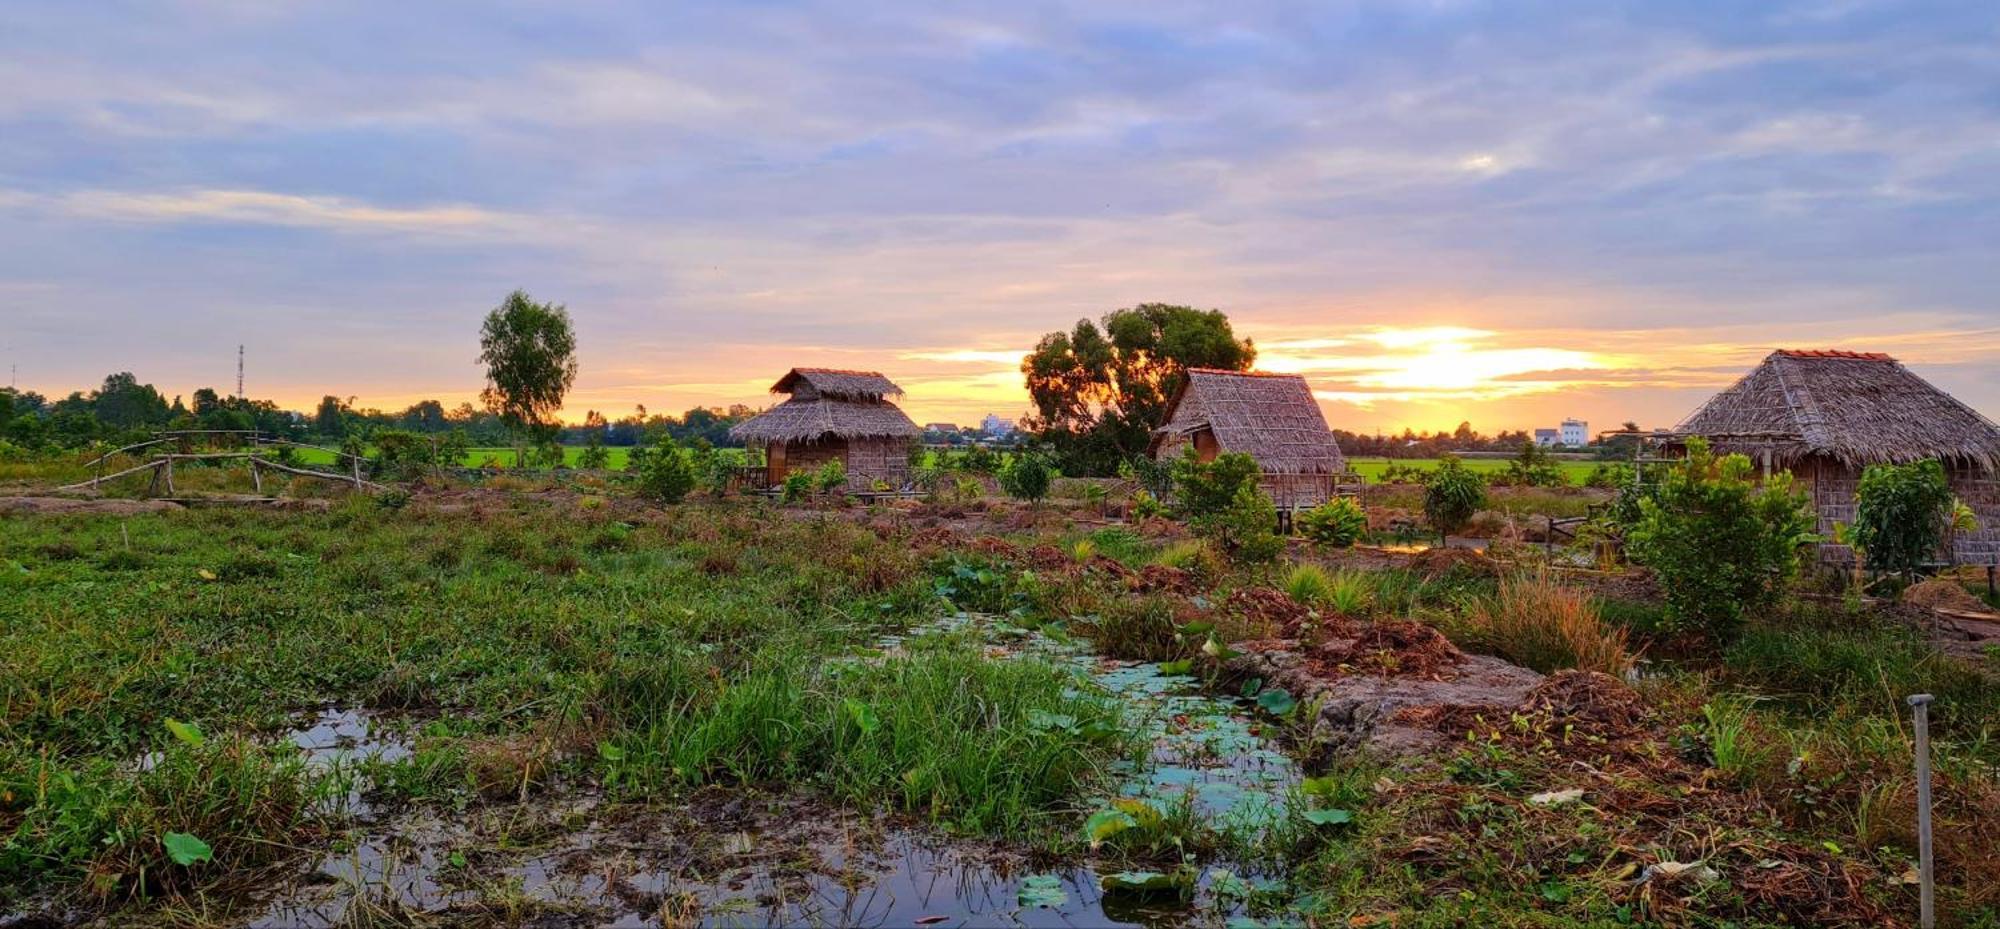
(1927,913)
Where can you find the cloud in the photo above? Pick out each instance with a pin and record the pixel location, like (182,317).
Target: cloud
(265,208)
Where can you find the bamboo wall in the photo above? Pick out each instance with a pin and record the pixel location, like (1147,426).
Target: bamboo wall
(1833,486)
(868,460)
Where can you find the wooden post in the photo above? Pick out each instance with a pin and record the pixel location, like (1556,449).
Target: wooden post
(256,476)
(169,469)
(1920,705)
(356,461)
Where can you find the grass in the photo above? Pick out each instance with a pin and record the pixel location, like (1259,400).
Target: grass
(1534,621)
(1371,469)
(646,652)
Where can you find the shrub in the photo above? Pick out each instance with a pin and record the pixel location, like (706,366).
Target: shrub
(1339,522)
(1452,493)
(1248,529)
(1146,506)
(1609,475)
(1722,545)
(798,485)
(1027,477)
(1205,488)
(1532,467)
(1903,515)
(595,456)
(832,477)
(667,476)
(1396,472)
(1153,476)
(1538,623)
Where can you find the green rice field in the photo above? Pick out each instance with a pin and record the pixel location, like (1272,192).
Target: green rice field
(1372,468)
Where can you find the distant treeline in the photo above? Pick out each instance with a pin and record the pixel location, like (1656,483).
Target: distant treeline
(1413,444)
(124,410)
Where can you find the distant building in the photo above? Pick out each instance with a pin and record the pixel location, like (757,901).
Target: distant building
(1547,438)
(1575,433)
(940,427)
(995,426)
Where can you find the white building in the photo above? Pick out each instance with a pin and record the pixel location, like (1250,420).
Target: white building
(1575,433)
(993,425)
(1546,438)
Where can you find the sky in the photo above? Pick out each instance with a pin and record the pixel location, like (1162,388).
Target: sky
(1434,211)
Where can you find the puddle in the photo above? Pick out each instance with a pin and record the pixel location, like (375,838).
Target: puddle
(724,858)
(344,741)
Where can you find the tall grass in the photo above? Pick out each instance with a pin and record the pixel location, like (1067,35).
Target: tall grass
(1534,621)
(1346,591)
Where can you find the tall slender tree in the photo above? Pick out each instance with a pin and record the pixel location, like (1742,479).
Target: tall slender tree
(529,350)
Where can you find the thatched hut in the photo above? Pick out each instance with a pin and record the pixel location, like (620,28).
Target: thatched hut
(833,414)
(1827,415)
(1271,417)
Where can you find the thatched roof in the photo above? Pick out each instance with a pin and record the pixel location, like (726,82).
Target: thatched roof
(836,383)
(828,403)
(1860,408)
(1271,417)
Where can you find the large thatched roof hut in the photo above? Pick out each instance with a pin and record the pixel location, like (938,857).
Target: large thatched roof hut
(1827,415)
(1270,417)
(834,414)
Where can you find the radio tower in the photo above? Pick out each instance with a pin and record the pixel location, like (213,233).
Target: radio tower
(239,372)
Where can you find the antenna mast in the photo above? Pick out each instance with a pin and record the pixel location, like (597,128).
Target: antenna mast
(239,372)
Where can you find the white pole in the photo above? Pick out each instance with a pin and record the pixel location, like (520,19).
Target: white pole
(1927,912)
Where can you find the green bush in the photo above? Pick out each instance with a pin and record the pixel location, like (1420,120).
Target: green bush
(1452,493)
(1205,488)
(1339,522)
(832,477)
(1903,515)
(1248,528)
(595,456)
(798,485)
(1027,477)
(1532,467)
(1609,475)
(667,476)
(1723,545)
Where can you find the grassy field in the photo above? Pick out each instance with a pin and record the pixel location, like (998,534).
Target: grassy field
(533,650)
(1372,468)
(502,457)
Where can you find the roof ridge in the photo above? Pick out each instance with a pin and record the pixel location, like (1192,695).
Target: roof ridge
(1242,373)
(1833,353)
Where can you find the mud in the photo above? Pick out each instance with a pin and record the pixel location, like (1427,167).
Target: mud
(1368,711)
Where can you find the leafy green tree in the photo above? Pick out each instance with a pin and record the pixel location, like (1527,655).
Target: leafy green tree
(666,475)
(1204,488)
(1247,529)
(330,417)
(1903,516)
(1100,392)
(1723,545)
(1027,477)
(529,350)
(124,403)
(1452,494)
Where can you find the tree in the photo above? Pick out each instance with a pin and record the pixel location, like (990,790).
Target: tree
(1205,488)
(1452,493)
(529,350)
(1723,546)
(330,419)
(1027,477)
(125,403)
(1902,516)
(1099,393)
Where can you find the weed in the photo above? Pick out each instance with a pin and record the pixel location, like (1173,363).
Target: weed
(1537,622)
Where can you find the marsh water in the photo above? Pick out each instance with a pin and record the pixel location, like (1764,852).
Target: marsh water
(735,860)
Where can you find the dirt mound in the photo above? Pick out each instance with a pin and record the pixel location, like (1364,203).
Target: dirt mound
(1161,579)
(1398,649)
(114,507)
(1940,593)
(1590,702)
(1267,609)
(1434,562)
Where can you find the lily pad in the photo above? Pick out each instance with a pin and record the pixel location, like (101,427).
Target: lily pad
(1104,824)
(1277,701)
(185,849)
(1043,890)
(1328,817)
